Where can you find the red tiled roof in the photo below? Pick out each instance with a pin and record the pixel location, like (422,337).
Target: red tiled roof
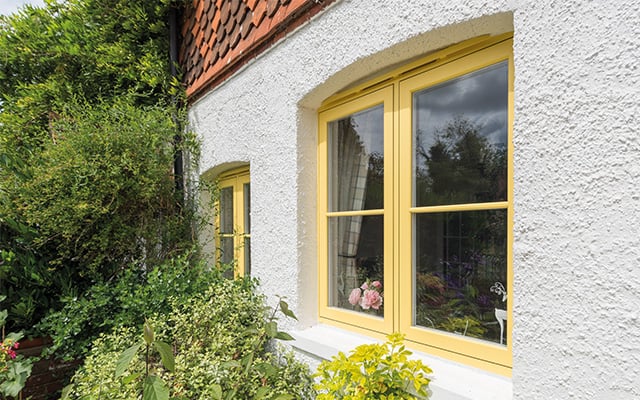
(219,36)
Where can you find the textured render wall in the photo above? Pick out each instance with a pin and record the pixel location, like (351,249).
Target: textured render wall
(576,332)
(577,203)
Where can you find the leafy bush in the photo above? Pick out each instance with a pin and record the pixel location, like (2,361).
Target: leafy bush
(374,371)
(125,302)
(88,120)
(214,334)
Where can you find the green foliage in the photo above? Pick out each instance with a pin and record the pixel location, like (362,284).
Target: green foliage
(102,192)
(14,368)
(220,338)
(153,387)
(466,326)
(125,302)
(374,371)
(88,119)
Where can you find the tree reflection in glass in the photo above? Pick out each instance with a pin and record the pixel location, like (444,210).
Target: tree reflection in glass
(460,140)
(460,134)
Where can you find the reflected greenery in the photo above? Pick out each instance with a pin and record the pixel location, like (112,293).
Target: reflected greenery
(461,166)
(459,256)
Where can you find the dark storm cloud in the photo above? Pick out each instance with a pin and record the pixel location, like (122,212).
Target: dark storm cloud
(479,97)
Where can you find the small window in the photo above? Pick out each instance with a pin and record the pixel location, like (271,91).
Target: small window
(233,227)
(415,205)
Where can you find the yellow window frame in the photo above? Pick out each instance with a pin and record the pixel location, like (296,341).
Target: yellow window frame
(236,180)
(395,90)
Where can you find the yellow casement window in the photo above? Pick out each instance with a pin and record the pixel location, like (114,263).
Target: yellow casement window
(233,227)
(416,208)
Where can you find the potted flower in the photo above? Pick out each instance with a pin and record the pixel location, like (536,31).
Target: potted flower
(368,296)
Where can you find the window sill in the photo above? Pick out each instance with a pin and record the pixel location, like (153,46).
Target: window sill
(451,381)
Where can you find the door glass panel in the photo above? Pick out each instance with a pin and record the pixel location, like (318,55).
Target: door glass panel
(460,273)
(356,161)
(356,263)
(460,139)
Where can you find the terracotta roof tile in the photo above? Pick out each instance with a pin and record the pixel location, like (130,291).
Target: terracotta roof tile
(272,7)
(246,27)
(259,13)
(219,36)
(224,48)
(215,22)
(235,6)
(225,12)
(211,12)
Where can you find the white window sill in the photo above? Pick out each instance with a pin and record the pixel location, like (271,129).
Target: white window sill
(451,381)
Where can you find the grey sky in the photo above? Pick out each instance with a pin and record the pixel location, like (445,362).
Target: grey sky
(11,6)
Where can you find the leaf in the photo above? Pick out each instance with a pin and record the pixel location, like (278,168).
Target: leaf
(125,359)
(284,336)
(15,336)
(248,362)
(215,391)
(271,329)
(286,311)
(148,333)
(65,392)
(266,369)
(231,364)
(155,389)
(284,397)
(261,393)
(129,378)
(166,354)
(16,376)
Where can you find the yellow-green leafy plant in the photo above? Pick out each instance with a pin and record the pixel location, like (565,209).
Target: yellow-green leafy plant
(374,371)
(153,387)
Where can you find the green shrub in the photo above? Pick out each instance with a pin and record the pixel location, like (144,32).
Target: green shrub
(88,120)
(218,336)
(374,371)
(125,302)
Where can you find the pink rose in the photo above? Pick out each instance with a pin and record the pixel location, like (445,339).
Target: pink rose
(364,286)
(354,297)
(371,299)
(376,284)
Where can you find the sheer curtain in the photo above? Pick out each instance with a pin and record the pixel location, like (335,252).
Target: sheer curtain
(349,166)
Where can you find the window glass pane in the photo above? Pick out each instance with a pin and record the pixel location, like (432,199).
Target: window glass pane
(356,160)
(226,210)
(460,139)
(356,258)
(227,253)
(460,273)
(247,256)
(247,207)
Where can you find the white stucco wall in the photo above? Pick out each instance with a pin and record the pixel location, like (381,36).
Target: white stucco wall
(577,169)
